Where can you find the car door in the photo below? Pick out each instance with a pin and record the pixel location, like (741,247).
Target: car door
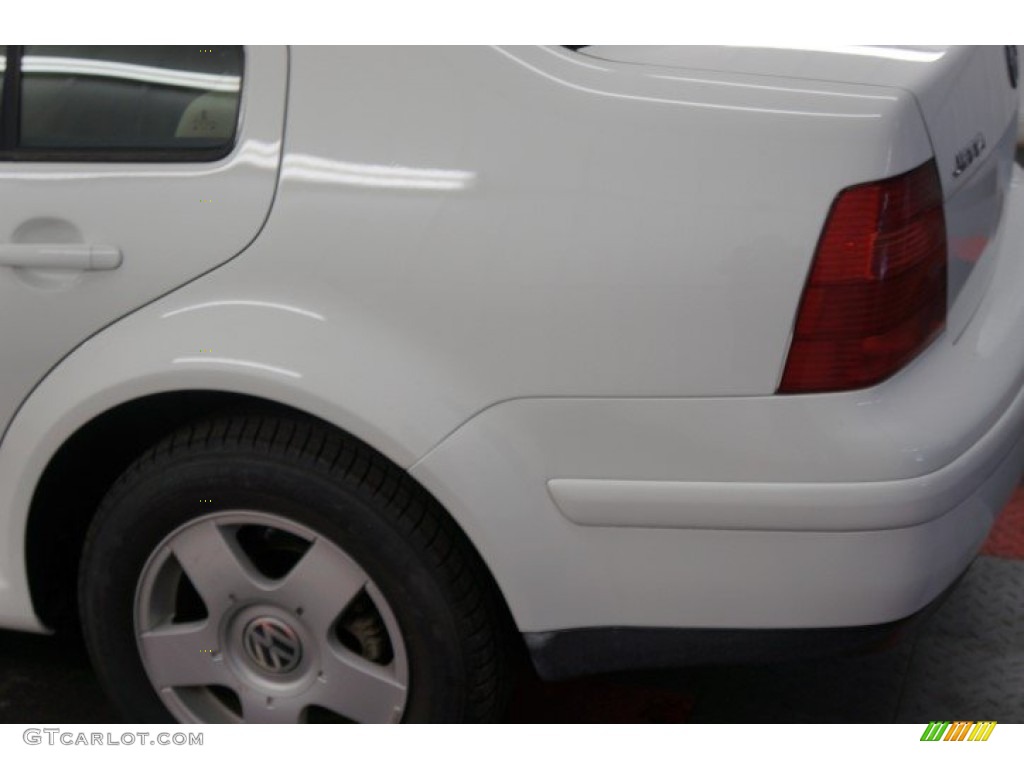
(125,171)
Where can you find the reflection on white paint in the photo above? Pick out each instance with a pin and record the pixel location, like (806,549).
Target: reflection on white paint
(321,170)
(261,154)
(177,78)
(560,54)
(876,51)
(918,455)
(242,363)
(681,102)
(799,90)
(246,303)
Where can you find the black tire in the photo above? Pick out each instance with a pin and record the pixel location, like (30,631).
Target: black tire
(453,625)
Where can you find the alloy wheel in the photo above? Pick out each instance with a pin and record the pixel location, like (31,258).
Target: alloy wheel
(247,616)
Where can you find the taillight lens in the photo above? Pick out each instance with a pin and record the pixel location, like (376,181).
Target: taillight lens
(876,295)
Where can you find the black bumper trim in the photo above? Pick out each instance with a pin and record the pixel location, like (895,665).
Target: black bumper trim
(575,652)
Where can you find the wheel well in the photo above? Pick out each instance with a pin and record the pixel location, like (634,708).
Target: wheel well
(79,474)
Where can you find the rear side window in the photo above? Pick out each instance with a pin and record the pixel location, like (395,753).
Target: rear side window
(111,102)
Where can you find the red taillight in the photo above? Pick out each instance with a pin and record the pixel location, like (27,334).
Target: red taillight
(876,295)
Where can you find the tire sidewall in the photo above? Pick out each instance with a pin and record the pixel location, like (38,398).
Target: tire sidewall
(139,515)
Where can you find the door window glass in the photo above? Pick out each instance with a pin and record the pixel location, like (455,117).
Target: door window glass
(128,98)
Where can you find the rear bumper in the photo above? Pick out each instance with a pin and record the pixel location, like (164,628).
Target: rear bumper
(987,471)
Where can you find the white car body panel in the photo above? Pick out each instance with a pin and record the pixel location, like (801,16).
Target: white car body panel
(522,275)
(1020,110)
(966,72)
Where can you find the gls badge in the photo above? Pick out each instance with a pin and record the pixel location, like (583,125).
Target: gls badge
(969,154)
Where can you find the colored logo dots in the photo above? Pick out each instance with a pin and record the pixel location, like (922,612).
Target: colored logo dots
(970,730)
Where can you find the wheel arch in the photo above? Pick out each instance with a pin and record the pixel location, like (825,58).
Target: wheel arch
(90,459)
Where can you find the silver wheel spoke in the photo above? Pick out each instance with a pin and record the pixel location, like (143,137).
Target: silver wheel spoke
(184,654)
(259,708)
(216,566)
(358,689)
(322,583)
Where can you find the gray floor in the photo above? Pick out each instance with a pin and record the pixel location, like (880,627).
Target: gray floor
(966,662)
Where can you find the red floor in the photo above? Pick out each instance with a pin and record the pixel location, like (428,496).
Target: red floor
(1007,537)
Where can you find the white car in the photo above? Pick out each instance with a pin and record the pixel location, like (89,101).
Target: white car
(332,377)
(1020,112)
